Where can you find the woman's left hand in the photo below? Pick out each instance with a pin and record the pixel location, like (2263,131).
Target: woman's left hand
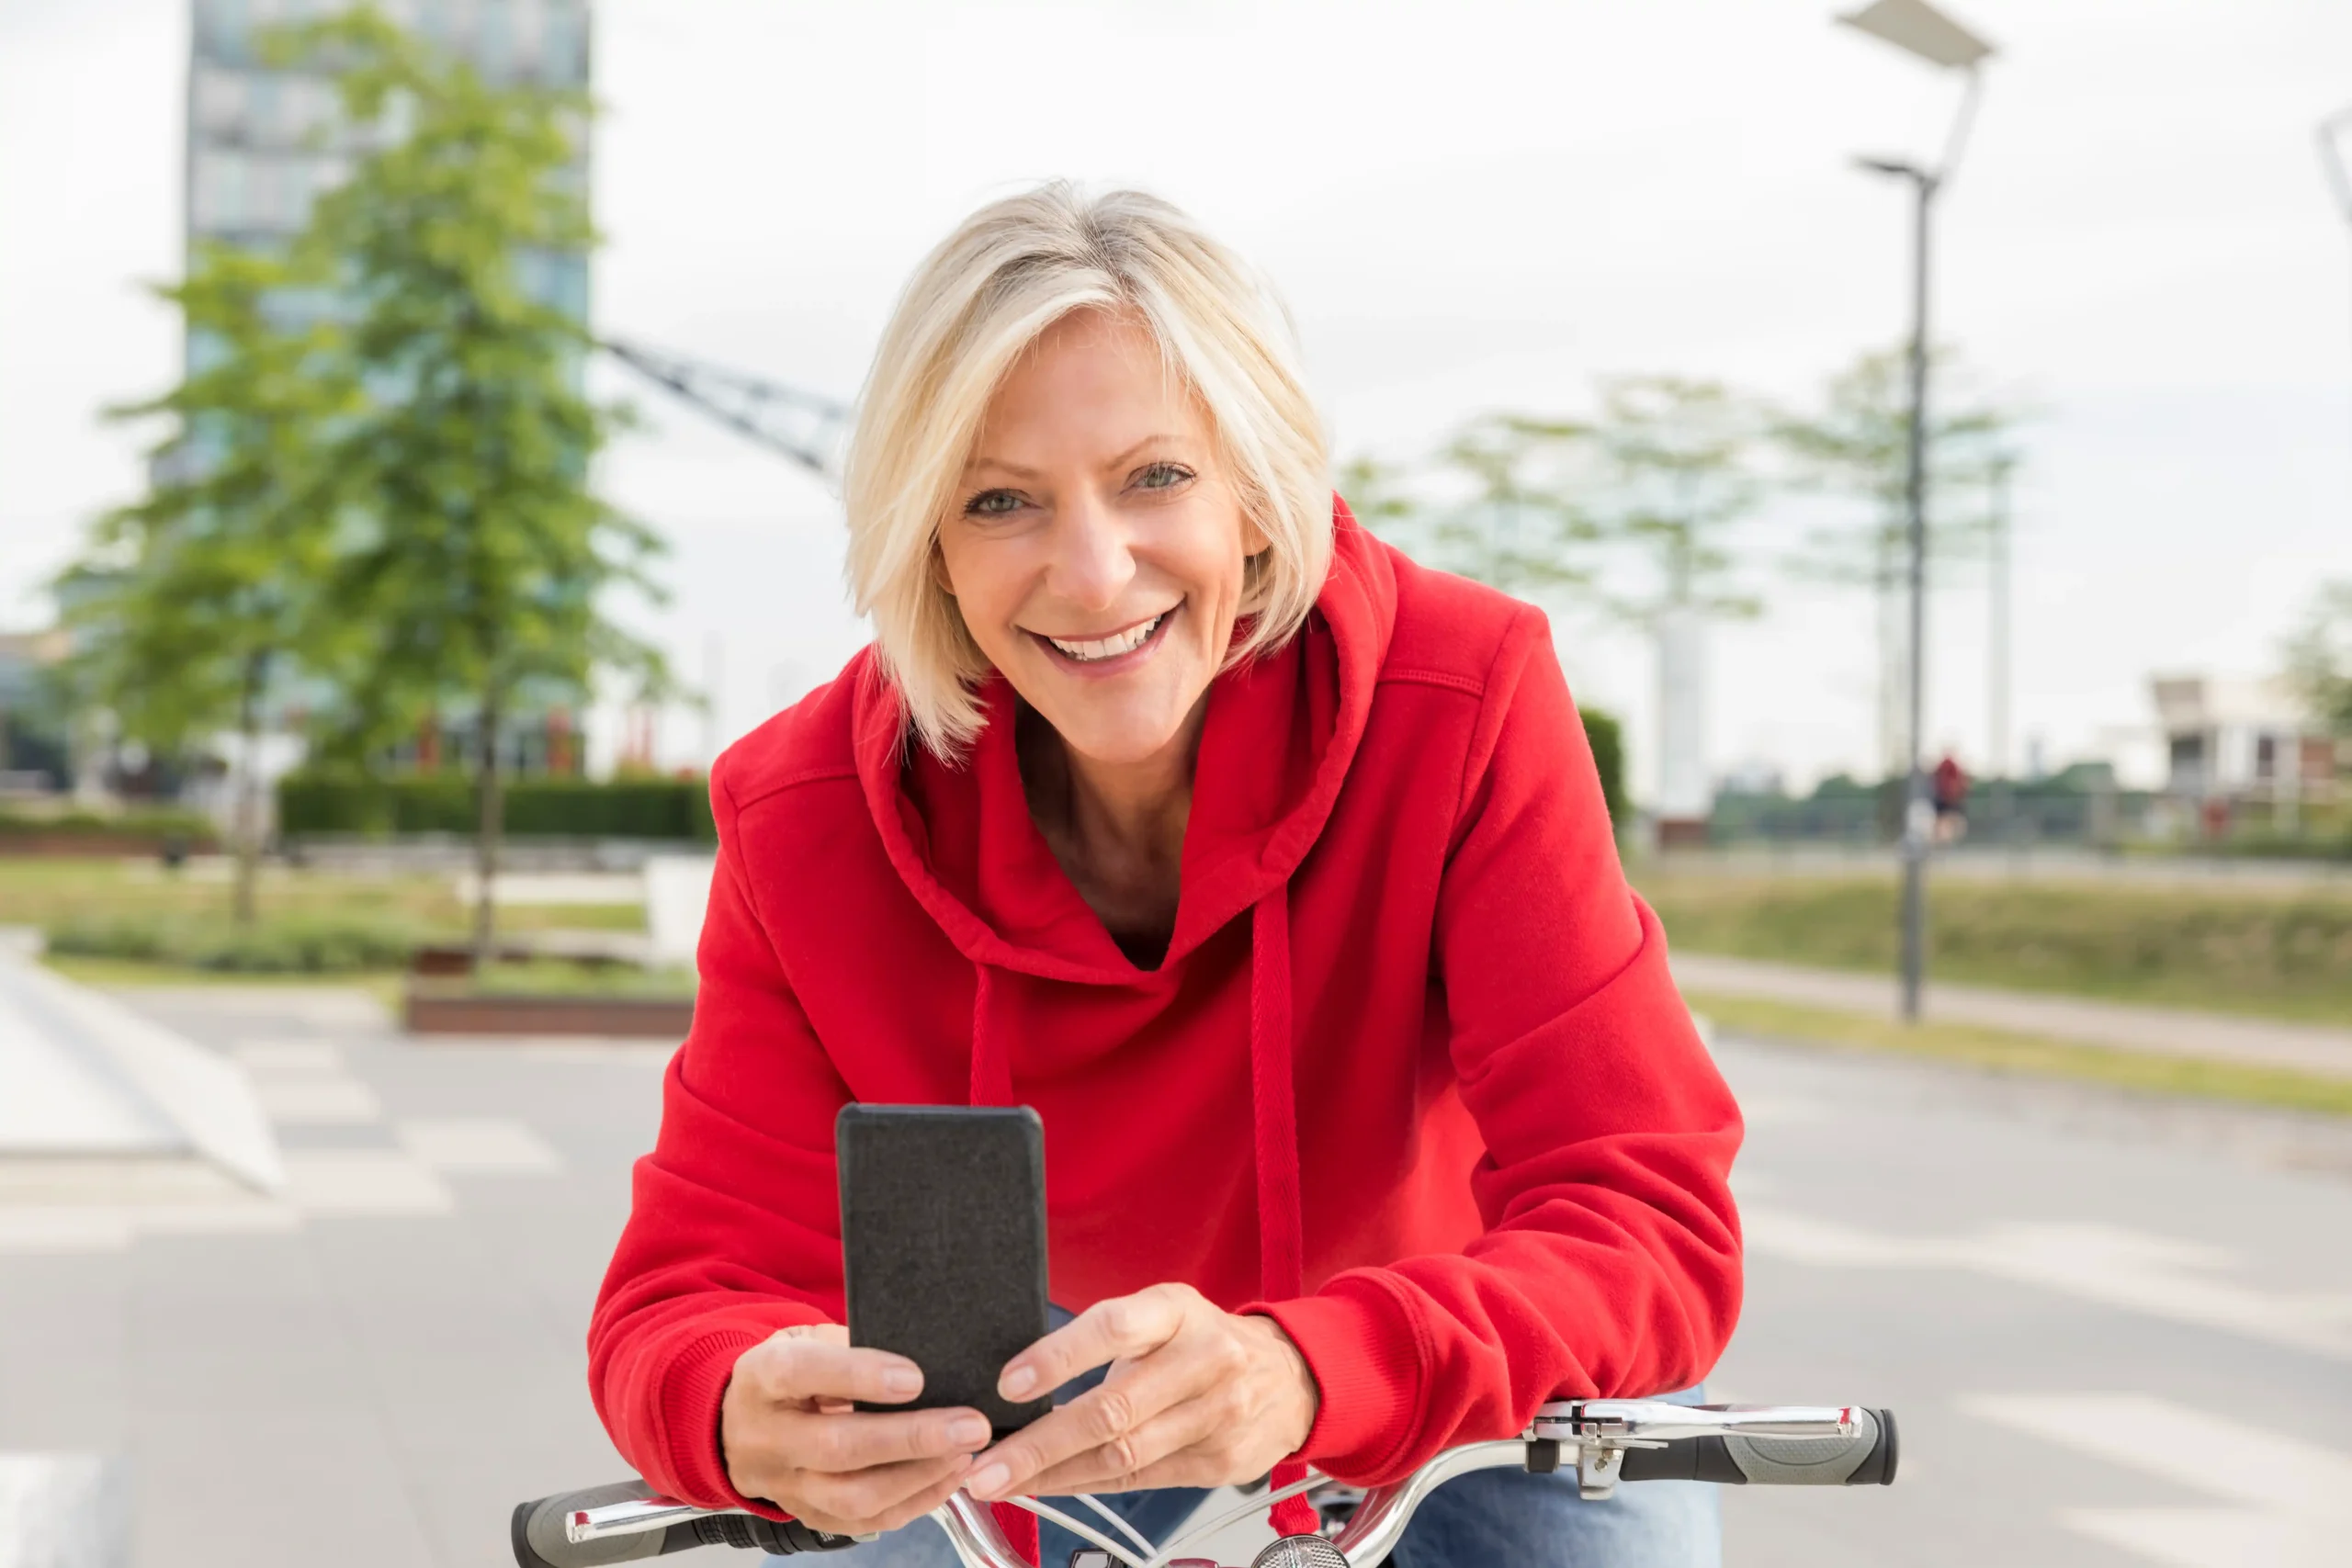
(1195,1396)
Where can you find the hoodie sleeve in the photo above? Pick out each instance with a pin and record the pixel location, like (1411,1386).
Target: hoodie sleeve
(1610,1261)
(733,1228)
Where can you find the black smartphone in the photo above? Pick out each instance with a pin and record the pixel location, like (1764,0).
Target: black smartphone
(943,1245)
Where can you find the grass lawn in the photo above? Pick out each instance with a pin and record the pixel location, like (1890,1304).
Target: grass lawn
(39,892)
(2002,1051)
(2267,952)
(555,977)
(300,911)
(384,985)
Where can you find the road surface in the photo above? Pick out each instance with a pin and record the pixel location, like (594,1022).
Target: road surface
(2118,1332)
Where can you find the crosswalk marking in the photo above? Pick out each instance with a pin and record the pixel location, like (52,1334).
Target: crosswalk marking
(63,1511)
(83,1206)
(2283,1502)
(478,1144)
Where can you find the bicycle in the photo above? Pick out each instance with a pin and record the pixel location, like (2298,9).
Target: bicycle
(1607,1441)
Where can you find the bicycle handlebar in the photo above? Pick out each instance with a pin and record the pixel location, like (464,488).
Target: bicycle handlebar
(1605,1440)
(543,1530)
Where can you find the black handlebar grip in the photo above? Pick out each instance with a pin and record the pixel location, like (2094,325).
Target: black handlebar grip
(778,1538)
(1866,1459)
(539,1540)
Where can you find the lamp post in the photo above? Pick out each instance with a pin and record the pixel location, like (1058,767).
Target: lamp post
(1919,29)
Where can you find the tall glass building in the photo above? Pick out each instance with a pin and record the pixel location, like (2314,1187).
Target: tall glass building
(265,142)
(255,159)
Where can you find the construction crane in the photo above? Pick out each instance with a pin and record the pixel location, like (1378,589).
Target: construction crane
(804,426)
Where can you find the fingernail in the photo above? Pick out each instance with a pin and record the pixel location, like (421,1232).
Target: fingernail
(983,1485)
(1019,1382)
(904,1383)
(967,1431)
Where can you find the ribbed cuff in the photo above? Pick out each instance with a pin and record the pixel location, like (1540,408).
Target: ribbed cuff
(1361,1347)
(692,1390)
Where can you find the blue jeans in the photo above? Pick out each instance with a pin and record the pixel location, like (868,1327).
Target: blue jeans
(1491,1518)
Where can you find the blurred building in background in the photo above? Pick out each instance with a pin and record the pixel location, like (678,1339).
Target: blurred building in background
(34,748)
(2242,743)
(264,143)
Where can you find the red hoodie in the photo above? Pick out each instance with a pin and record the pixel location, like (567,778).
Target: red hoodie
(1412,1077)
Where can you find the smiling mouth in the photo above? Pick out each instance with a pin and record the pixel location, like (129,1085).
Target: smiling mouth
(1097,650)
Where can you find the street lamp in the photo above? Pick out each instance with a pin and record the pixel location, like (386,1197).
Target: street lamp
(1919,29)
(2333,133)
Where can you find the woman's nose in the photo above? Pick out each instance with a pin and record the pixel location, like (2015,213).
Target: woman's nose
(1092,564)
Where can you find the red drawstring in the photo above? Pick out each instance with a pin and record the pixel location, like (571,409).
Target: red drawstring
(1274,1122)
(992,1084)
(1275,1141)
(991,1068)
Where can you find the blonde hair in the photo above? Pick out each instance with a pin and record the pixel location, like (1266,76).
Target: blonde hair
(974,305)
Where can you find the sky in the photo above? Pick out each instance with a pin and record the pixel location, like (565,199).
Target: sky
(1471,205)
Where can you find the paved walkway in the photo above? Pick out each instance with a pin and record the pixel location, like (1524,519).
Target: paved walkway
(2170,1031)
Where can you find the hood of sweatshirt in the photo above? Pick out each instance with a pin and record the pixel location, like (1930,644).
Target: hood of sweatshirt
(1276,743)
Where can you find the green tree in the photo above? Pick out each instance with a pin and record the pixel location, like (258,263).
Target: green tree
(190,606)
(1498,504)
(2318,659)
(1856,442)
(1675,472)
(482,564)
(1513,520)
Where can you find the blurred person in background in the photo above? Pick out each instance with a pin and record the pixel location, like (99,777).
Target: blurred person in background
(1272,869)
(1948,790)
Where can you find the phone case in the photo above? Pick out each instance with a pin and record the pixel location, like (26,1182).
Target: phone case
(943,1245)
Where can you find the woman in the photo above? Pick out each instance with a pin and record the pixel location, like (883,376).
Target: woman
(1271,868)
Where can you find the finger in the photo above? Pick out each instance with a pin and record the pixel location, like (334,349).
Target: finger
(790,1368)
(923,1502)
(882,1498)
(846,1445)
(1135,1392)
(1123,1326)
(1182,1443)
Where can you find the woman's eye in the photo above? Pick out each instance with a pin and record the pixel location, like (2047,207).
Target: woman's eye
(991,504)
(1162,476)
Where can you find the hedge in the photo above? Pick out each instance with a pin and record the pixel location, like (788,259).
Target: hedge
(444,803)
(1606,738)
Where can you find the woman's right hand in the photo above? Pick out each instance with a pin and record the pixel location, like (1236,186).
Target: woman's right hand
(789,1436)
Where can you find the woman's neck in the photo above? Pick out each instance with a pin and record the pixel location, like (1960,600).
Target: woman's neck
(1117,830)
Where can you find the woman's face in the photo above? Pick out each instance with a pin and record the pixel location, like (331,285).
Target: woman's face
(1094,547)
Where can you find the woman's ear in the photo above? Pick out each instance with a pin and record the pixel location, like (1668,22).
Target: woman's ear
(939,569)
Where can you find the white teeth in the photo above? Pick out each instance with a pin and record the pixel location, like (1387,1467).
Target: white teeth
(1111,647)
